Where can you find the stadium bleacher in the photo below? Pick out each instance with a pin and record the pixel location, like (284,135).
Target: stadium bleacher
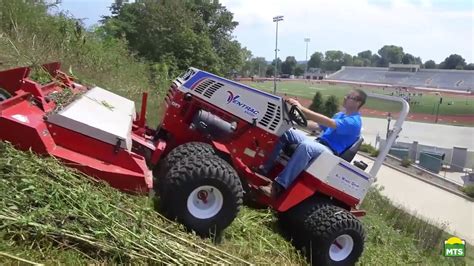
(462,80)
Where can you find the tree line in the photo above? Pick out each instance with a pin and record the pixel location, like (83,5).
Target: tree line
(181,33)
(333,60)
(169,36)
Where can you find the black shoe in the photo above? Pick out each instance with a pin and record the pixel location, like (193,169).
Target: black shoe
(277,189)
(272,190)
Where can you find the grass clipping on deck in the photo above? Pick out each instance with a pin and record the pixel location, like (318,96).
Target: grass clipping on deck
(43,201)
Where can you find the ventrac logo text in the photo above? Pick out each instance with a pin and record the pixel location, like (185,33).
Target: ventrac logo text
(235,99)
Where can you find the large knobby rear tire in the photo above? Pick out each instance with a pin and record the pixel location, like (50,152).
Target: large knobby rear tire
(174,156)
(204,193)
(336,236)
(291,222)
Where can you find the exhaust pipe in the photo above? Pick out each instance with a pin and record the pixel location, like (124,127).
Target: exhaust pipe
(211,125)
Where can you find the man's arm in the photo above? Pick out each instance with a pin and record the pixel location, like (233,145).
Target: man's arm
(318,118)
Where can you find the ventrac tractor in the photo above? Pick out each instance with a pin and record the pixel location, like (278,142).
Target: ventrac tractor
(200,160)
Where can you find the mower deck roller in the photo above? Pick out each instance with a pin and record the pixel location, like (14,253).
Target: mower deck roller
(101,115)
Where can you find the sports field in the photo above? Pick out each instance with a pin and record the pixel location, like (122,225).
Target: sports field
(455,109)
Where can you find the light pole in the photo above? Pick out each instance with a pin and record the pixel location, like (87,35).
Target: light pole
(389,118)
(276,19)
(437,110)
(307,40)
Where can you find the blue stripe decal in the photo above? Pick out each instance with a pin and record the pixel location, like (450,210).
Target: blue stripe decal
(203,74)
(354,171)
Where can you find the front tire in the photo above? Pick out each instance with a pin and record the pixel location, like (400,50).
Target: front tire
(174,156)
(204,193)
(336,236)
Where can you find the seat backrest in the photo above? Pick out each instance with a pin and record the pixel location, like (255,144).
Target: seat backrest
(350,152)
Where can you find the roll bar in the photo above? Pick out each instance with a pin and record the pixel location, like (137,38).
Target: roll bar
(396,130)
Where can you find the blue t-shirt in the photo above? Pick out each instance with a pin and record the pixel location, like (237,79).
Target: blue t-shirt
(347,131)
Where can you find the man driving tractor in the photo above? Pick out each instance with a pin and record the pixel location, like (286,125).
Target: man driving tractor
(338,134)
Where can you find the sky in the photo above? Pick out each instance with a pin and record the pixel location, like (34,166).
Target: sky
(431,29)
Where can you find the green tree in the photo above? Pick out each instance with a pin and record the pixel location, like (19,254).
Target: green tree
(390,54)
(247,67)
(365,54)
(347,60)
(331,106)
(453,61)
(374,61)
(356,61)
(260,66)
(254,66)
(288,67)
(408,59)
(189,33)
(363,58)
(299,70)
(430,64)
(318,103)
(279,63)
(316,60)
(418,61)
(270,71)
(469,67)
(333,60)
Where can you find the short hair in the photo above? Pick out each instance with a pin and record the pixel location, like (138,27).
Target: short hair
(362,96)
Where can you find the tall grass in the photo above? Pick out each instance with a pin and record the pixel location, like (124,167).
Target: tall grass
(52,214)
(397,237)
(49,213)
(44,203)
(30,36)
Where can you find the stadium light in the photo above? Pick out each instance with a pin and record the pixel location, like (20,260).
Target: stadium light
(307,40)
(389,118)
(276,19)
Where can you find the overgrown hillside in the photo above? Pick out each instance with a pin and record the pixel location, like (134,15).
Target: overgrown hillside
(30,36)
(51,214)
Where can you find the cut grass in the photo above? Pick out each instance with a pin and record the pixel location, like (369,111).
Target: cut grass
(46,206)
(40,191)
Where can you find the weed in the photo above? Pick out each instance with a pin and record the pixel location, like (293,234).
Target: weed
(469,190)
(405,162)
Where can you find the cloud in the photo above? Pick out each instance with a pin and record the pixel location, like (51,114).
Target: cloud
(423,28)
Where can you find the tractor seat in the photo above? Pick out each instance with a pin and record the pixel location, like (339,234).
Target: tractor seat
(347,155)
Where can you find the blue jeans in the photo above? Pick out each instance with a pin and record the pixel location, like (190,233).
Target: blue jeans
(307,150)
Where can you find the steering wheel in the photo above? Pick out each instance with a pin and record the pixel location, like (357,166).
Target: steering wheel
(297,116)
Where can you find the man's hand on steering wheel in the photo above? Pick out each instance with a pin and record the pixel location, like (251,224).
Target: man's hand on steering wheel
(296,114)
(292,102)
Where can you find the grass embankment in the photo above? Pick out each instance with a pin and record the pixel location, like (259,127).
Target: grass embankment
(46,208)
(31,36)
(52,214)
